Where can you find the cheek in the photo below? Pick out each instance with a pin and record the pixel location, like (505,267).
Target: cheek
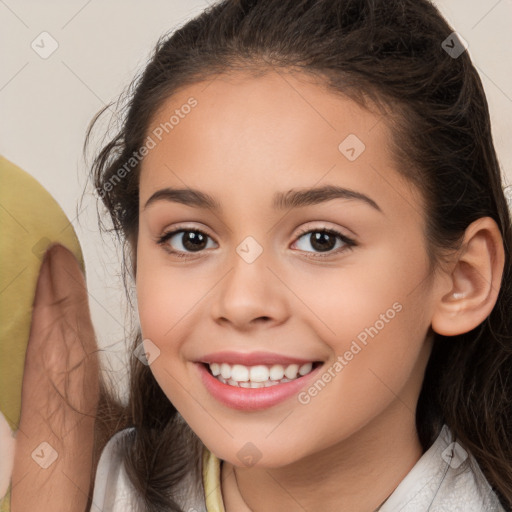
(367,289)
(168,300)
(157,305)
(377,365)
(374,316)
(160,309)
(165,294)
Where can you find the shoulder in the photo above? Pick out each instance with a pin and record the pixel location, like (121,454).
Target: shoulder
(113,490)
(466,487)
(446,478)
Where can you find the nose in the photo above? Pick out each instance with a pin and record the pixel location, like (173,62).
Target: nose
(250,294)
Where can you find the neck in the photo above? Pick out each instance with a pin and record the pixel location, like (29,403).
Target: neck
(356,475)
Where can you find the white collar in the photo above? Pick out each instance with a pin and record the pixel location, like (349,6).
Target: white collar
(445,478)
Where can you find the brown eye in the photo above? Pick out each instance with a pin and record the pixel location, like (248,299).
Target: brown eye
(324,241)
(183,241)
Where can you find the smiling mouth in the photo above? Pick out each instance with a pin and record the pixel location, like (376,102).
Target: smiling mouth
(259,376)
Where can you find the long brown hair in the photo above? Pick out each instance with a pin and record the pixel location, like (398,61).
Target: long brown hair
(391,51)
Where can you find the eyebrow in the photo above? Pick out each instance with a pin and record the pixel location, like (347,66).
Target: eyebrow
(281,201)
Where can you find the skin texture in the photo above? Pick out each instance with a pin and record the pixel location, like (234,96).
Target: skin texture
(247,138)
(59,395)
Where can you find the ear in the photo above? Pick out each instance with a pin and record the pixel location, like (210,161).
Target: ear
(474,282)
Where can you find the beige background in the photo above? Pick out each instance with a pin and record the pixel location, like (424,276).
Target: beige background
(46,105)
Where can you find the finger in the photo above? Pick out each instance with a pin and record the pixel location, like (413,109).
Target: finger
(60,330)
(70,291)
(44,296)
(62,351)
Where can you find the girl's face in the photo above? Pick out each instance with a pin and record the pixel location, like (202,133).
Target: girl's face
(260,275)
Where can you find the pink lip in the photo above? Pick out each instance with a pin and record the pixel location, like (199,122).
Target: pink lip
(252,358)
(252,399)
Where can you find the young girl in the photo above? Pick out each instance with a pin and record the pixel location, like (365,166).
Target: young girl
(314,215)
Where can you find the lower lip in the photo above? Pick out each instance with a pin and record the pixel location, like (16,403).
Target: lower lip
(252,399)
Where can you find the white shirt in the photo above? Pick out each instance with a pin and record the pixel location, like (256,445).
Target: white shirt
(445,479)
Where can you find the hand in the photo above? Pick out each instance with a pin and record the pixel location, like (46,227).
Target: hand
(59,395)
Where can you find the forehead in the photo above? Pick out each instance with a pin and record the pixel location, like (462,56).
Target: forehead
(274,131)
(266,111)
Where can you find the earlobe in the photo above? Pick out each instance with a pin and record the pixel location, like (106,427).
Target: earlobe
(474,282)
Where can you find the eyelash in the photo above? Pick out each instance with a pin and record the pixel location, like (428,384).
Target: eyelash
(349,242)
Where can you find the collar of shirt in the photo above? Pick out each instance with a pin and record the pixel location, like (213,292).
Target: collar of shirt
(446,477)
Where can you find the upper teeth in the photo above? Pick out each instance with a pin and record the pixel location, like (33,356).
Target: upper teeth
(259,373)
